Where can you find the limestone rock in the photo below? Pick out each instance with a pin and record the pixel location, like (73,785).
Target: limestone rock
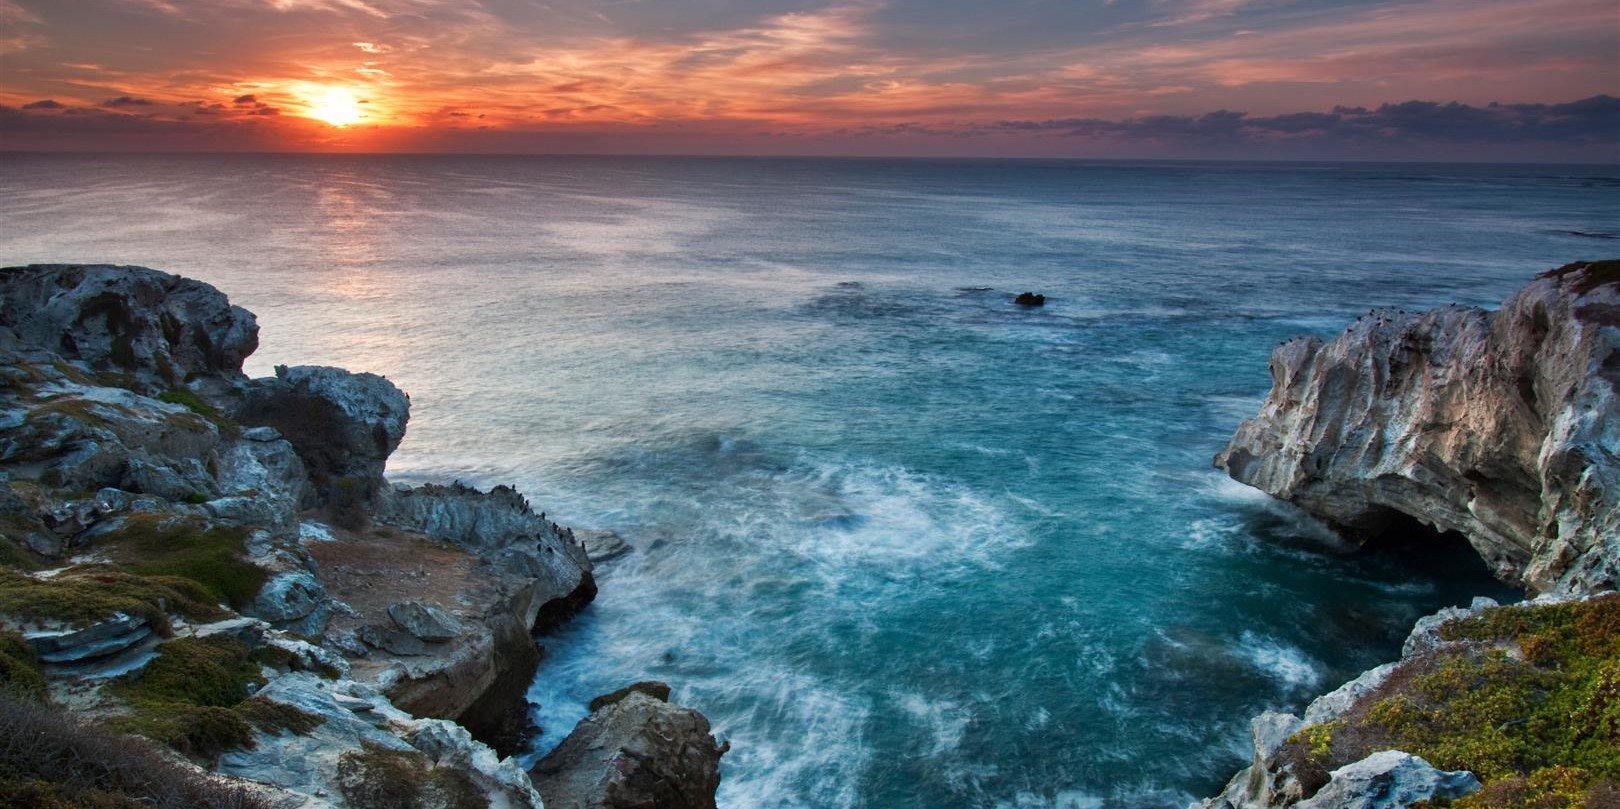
(639,751)
(1390,779)
(1503,426)
(155,327)
(425,621)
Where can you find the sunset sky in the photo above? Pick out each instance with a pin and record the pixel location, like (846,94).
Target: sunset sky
(1087,78)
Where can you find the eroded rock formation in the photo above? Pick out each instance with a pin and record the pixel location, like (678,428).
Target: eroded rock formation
(1502,426)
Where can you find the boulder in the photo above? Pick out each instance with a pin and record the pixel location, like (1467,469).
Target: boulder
(638,751)
(1501,426)
(1390,779)
(1030,299)
(342,425)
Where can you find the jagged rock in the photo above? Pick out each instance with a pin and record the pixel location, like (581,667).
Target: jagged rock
(343,425)
(636,752)
(425,621)
(500,525)
(1030,299)
(155,327)
(1504,427)
(356,722)
(1390,779)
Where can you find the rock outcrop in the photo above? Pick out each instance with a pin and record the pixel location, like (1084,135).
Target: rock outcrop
(178,502)
(158,329)
(634,751)
(1502,426)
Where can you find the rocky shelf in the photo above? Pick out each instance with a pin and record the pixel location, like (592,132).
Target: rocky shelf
(217,564)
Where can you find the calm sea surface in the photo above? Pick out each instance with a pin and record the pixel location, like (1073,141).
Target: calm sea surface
(906,544)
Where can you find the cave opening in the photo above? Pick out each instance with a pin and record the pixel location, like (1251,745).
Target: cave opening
(1408,543)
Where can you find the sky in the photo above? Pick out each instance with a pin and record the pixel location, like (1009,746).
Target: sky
(1516,80)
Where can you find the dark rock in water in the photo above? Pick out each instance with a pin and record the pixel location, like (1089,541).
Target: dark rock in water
(1590,234)
(1030,299)
(634,752)
(975,289)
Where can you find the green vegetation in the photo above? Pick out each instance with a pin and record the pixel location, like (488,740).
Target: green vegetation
(187,697)
(275,717)
(11,553)
(195,404)
(210,557)
(19,670)
(84,595)
(379,778)
(1531,705)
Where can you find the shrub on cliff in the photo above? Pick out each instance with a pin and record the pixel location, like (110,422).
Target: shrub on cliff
(19,670)
(1530,703)
(51,760)
(194,698)
(379,778)
(84,595)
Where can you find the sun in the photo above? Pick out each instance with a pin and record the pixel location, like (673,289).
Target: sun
(335,106)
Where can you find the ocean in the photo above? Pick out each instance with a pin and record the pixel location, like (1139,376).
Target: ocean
(905,543)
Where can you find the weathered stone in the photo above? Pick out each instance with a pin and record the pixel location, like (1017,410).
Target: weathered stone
(637,752)
(101,639)
(392,641)
(1504,427)
(342,425)
(154,327)
(288,596)
(1390,779)
(425,621)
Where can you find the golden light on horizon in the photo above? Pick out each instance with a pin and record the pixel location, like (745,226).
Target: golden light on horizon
(336,106)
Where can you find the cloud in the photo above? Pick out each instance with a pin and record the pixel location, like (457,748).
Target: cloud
(127,101)
(1592,120)
(245,100)
(44,104)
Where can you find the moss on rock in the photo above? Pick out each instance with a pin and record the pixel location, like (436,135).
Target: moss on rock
(376,777)
(1529,702)
(19,669)
(210,556)
(84,595)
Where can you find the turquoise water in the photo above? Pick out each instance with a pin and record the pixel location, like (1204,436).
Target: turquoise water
(906,544)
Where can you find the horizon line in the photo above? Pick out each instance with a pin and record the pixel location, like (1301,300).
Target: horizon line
(791,156)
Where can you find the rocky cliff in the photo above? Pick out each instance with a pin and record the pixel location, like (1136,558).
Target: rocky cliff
(217,563)
(1502,426)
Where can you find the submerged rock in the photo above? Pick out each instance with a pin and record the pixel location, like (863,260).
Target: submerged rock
(633,752)
(1502,426)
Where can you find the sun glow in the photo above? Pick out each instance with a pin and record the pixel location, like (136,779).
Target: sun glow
(335,106)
